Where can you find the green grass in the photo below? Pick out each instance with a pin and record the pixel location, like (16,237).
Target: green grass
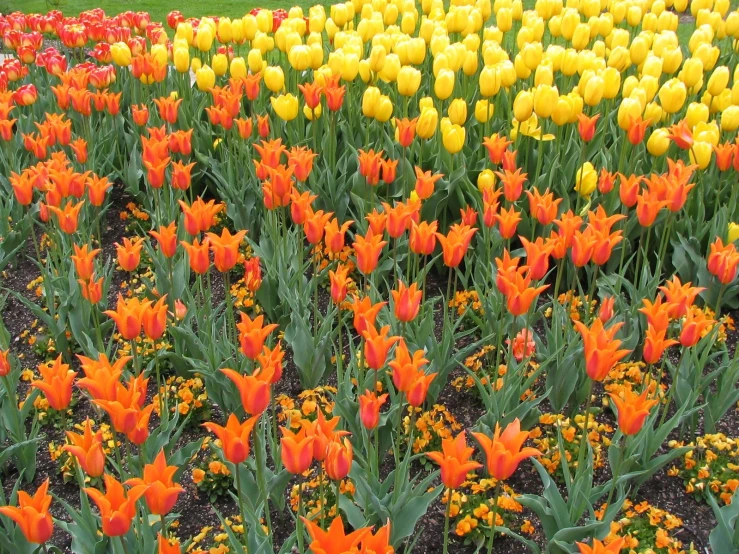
(157,8)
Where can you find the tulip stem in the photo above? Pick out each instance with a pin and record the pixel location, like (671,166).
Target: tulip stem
(495,516)
(259,454)
(591,292)
(446,520)
(340,352)
(164,526)
(123,545)
(323,496)
(616,471)
(299,529)
(238,496)
(135,355)
(229,306)
(718,302)
(584,438)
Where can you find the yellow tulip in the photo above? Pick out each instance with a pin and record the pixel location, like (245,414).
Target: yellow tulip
(237,68)
(523,105)
(562,111)
(485,180)
(121,54)
(220,64)
(696,112)
(490,81)
(370,100)
(733,233)
(484,110)
(204,38)
(444,84)
(586,180)
(672,95)
(730,119)
(545,100)
(384,109)
(594,91)
(453,138)
(274,78)
(718,81)
(285,106)
(457,111)
(225,30)
(658,142)
(701,153)
(205,78)
(427,122)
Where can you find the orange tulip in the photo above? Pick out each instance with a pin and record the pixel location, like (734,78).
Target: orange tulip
(252,274)
(377,222)
(586,126)
(680,297)
(155,172)
(83,260)
(334,540)
(56,383)
(300,159)
(370,164)
(167,239)
(129,253)
(67,216)
(398,219)
(598,547)
(168,106)
(367,251)
(339,458)
(724,156)
(637,129)
(6,128)
(334,96)
(723,261)
(225,249)
(32,514)
(657,313)
(245,127)
(339,281)
(507,269)
(508,221)
(406,368)
(92,290)
(543,207)
(154,319)
(369,408)
(4,363)
(165,546)
(311,94)
(181,176)
(300,205)
(296,451)
(126,407)
(197,252)
(263,125)
(519,295)
(606,181)
(322,431)
(252,334)
(512,182)
(254,391)
(22,187)
(537,257)
(629,188)
(377,345)
(423,238)
(365,313)
(79,147)
(632,410)
(600,348)
(140,114)
(603,244)
(695,325)
(605,312)
(583,245)
(419,388)
(455,243)
(496,146)
(270,152)
(388,170)
(334,234)
(648,206)
(655,344)
(568,224)
(161,490)
(199,216)
(503,452)
(88,449)
(454,460)
(315,225)
(101,377)
(681,135)
(407,301)
(117,508)
(127,316)
(234,437)
(406,131)
(97,188)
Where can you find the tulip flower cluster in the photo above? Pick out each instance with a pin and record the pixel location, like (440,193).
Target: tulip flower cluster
(532,203)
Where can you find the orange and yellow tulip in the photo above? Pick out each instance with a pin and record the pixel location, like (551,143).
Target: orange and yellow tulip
(161,490)
(504,452)
(117,507)
(633,410)
(234,437)
(56,383)
(32,514)
(454,461)
(88,449)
